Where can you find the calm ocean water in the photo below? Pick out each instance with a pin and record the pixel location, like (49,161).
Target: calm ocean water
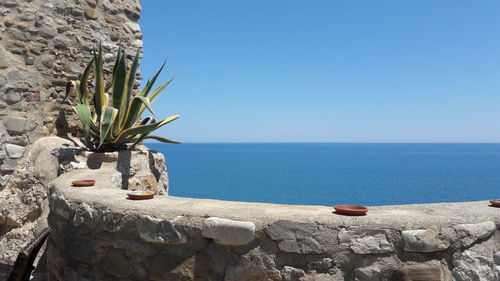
(330,174)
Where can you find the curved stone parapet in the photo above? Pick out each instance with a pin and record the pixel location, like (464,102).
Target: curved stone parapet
(98,234)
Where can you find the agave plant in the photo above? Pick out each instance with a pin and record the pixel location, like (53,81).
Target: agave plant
(113,119)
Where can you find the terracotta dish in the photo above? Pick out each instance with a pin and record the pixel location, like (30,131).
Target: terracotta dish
(495,203)
(351,210)
(83,183)
(140,194)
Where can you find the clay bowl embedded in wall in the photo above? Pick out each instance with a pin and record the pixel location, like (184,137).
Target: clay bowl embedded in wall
(351,210)
(495,202)
(83,183)
(140,194)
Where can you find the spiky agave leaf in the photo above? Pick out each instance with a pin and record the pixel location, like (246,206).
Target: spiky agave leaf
(114,117)
(130,133)
(83,112)
(107,119)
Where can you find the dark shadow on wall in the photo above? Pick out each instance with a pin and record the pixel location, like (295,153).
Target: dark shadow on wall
(123,166)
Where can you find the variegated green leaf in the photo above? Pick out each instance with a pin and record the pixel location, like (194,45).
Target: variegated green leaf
(162,139)
(99,99)
(150,83)
(107,119)
(83,112)
(84,90)
(138,130)
(119,83)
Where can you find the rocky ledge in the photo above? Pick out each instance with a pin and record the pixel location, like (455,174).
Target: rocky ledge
(100,235)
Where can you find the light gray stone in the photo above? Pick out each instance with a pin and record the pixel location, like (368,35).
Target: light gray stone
(2,154)
(323,277)
(253,266)
(20,35)
(3,80)
(295,237)
(470,233)
(10,3)
(9,165)
(84,215)
(228,232)
(14,151)
(496,258)
(47,31)
(368,273)
(11,96)
(15,125)
(61,42)
(424,241)
(47,61)
(289,273)
(471,266)
(366,241)
(132,27)
(19,140)
(61,207)
(28,16)
(159,231)
(15,75)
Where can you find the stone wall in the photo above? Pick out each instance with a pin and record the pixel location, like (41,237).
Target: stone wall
(100,235)
(43,44)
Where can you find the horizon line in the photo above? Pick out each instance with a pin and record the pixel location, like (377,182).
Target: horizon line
(354,142)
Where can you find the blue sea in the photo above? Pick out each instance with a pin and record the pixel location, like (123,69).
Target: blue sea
(334,173)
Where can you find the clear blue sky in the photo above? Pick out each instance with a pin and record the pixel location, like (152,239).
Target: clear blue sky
(326,71)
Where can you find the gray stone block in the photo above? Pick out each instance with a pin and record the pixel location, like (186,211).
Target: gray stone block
(470,233)
(496,258)
(228,232)
(368,273)
(366,241)
(159,231)
(472,266)
(424,241)
(9,165)
(21,140)
(295,237)
(14,151)
(15,125)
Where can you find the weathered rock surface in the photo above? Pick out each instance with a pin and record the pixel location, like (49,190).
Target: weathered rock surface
(368,273)
(159,231)
(365,241)
(95,224)
(295,237)
(424,241)
(228,232)
(14,151)
(471,266)
(470,233)
(23,197)
(15,125)
(256,265)
(139,169)
(43,44)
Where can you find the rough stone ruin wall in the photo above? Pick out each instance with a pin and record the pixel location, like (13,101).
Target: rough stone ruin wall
(43,44)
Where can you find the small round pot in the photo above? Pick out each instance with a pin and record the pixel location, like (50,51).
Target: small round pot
(140,195)
(495,202)
(83,183)
(351,210)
